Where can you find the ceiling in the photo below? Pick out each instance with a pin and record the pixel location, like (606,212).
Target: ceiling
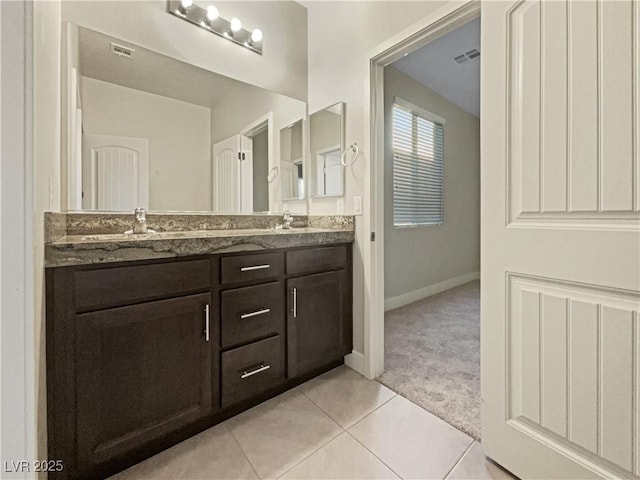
(152,72)
(434,66)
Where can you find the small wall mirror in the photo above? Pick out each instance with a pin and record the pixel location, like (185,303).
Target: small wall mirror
(291,162)
(326,144)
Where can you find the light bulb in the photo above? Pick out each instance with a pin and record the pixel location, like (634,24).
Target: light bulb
(186,3)
(256,35)
(212,13)
(235,24)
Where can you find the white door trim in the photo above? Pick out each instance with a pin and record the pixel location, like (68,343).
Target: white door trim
(17,324)
(249,131)
(438,23)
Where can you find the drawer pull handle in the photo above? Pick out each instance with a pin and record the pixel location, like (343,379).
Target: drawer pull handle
(295,302)
(255,371)
(206,322)
(255,267)
(254,314)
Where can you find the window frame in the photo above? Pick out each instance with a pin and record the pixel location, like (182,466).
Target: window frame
(430,117)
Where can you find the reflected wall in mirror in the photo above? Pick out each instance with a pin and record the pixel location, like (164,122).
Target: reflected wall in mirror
(143,129)
(292,162)
(326,143)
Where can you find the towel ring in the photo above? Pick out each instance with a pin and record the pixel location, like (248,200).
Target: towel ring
(273,173)
(354,148)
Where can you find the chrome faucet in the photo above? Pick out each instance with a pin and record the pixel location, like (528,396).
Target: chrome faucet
(286,219)
(140,222)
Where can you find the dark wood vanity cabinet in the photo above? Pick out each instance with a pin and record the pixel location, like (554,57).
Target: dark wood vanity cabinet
(141,355)
(141,371)
(318,304)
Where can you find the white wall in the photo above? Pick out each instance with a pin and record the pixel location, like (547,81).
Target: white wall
(178,133)
(341,38)
(282,67)
(419,257)
(17,387)
(46,151)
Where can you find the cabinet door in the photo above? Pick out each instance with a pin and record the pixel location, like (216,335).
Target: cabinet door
(315,321)
(142,371)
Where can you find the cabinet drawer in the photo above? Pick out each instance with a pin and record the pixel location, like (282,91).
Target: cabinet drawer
(250,370)
(316,259)
(101,288)
(249,268)
(252,312)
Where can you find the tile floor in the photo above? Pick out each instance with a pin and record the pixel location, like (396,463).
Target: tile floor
(337,426)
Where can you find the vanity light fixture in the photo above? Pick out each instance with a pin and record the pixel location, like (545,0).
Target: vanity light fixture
(211,16)
(184,6)
(256,36)
(209,19)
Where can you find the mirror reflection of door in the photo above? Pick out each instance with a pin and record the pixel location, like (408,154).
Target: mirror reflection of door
(291,162)
(115,173)
(329,172)
(233,175)
(326,145)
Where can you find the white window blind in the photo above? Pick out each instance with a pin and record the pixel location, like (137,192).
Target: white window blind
(418,166)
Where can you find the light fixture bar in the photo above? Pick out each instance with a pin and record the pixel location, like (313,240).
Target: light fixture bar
(198,16)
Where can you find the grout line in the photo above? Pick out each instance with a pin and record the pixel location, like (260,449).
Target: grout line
(360,419)
(312,453)
(374,410)
(379,459)
(323,410)
(459,460)
(242,449)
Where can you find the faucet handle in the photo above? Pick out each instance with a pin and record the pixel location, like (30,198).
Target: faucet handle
(140,214)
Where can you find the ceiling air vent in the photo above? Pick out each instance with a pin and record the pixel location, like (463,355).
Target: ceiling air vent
(121,50)
(467,56)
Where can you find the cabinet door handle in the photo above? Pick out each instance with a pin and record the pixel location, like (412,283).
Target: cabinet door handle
(295,302)
(261,368)
(256,313)
(206,322)
(255,267)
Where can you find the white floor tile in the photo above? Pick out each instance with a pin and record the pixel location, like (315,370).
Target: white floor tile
(345,395)
(342,458)
(279,433)
(411,441)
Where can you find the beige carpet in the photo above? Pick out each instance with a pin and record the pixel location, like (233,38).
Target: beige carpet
(432,355)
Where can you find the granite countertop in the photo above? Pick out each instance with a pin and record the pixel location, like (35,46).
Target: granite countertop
(92,248)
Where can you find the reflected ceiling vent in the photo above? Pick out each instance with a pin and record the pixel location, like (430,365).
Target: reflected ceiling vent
(121,50)
(467,56)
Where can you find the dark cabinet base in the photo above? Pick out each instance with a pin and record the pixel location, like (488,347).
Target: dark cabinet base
(143,355)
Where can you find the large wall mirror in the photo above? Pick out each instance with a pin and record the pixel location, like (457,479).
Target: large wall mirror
(143,129)
(326,144)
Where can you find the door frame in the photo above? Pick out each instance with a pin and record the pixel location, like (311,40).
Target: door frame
(18,437)
(433,26)
(250,131)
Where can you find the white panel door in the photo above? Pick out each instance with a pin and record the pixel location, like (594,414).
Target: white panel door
(560,237)
(115,173)
(226,175)
(233,175)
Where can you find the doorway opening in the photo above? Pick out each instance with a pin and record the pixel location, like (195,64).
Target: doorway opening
(425,210)
(241,166)
(432,227)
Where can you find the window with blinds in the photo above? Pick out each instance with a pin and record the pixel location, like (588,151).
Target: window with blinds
(418,166)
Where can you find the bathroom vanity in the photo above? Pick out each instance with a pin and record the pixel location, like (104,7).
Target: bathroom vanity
(144,353)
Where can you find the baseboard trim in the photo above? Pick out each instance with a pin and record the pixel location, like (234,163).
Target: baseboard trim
(410,297)
(355,360)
